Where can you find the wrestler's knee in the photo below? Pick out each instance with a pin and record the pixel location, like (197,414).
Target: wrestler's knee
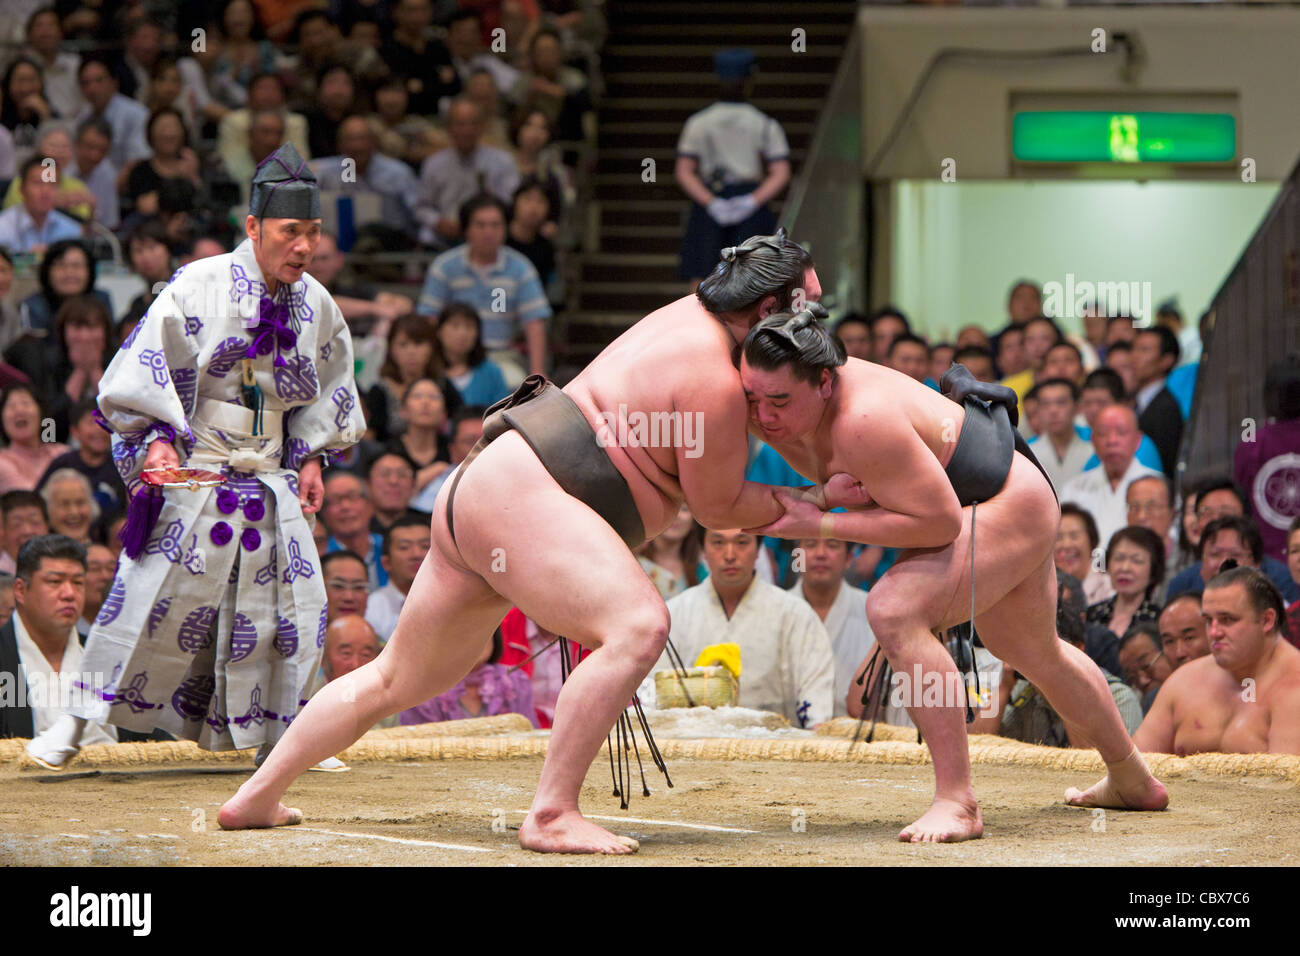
(641,638)
(890,614)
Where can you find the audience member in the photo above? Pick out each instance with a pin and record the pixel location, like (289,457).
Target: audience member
(412,354)
(466,430)
(1220,507)
(68,369)
(1012,358)
(347,512)
(243,53)
(1102,491)
(786,661)
(241,144)
(498,282)
(421,62)
(90,164)
(539,161)
(91,457)
(70,502)
(6,598)
(423,441)
(910,355)
(1119,359)
(58,67)
(481,90)
(71,196)
(150,259)
(887,323)
(101,566)
(941,356)
(358,166)
(390,478)
(840,609)
(125,117)
(464,43)
(22,425)
(39,644)
(34,225)
(978,360)
(1058,446)
(1078,553)
(1146,666)
(532,226)
(972,336)
(350,642)
(1150,502)
(22,517)
(1135,563)
(1155,353)
(559,90)
(402,131)
(66,270)
(467,370)
(406,542)
(1292,562)
(855,332)
(1183,636)
(671,559)
(1101,389)
(23,107)
(336,99)
(320,46)
(347,585)
(1244,697)
(1063,360)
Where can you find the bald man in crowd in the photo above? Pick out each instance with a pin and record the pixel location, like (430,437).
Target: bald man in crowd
(1244,697)
(1102,491)
(1183,636)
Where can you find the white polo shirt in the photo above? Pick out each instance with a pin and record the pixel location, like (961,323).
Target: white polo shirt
(47,694)
(733,139)
(1108,506)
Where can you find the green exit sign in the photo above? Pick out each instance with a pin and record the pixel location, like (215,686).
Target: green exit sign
(1100,137)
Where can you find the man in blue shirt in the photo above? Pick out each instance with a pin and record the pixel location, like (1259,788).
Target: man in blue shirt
(34,223)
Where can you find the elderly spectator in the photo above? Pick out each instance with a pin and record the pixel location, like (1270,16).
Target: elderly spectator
(390,477)
(360,167)
(466,430)
(172,158)
(90,163)
(347,512)
(489,689)
(1102,490)
(978,360)
(58,66)
(72,196)
(1145,664)
(1155,353)
(1202,707)
(475,378)
(423,442)
(419,60)
(1101,389)
(25,457)
(1058,446)
(1150,503)
(350,642)
(336,99)
(498,282)
(787,664)
(1221,508)
(839,607)
(235,132)
(101,566)
(1135,561)
(347,584)
(1183,636)
(125,117)
(1078,553)
(34,224)
(22,517)
(40,641)
(910,355)
(71,504)
(406,542)
(23,107)
(451,177)
(671,559)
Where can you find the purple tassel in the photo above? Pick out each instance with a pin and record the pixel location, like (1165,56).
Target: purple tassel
(141,516)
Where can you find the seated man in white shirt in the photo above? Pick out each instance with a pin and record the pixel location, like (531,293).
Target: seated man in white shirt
(406,542)
(841,608)
(1102,491)
(786,664)
(1058,446)
(40,642)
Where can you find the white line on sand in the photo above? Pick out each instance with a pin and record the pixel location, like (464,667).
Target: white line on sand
(660,823)
(388,839)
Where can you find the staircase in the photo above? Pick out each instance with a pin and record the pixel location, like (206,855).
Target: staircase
(657,65)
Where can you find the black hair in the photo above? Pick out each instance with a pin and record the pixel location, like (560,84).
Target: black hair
(404,521)
(338,556)
(80,409)
(1148,541)
(545,32)
(1168,342)
(1108,379)
(96,124)
(1222,483)
(1067,344)
(1089,522)
(907,338)
(1069,624)
(102,59)
(748,273)
(40,12)
(9,110)
(22,498)
(159,114)
(466,413)
(1261,592)
(53,254)
(1246,531)
(5,255)
(478,354)
(54,546)
(1060,336)
(476,203)
(1121,317)
(1117,347)
(797,339)
(529,183)
(850,319)
(389,453)
(1150,629)
(972,351)
(1055,382)
(891,312)
(305,17)
(329,68)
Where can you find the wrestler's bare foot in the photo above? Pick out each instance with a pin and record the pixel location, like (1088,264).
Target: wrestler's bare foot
(947,821)
(242,813)
(570,832)
(1128,785)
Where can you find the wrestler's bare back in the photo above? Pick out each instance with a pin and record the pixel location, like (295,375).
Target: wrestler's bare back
(677,359)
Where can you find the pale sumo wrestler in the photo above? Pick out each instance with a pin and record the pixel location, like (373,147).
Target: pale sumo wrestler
(922,458)
(506,531)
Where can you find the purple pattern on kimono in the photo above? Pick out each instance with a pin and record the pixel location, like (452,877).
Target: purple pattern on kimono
(193,696)
(196,630)
(156,362)
(342,397)
(255,714)
(242,286)
(325,351)
(133,694)
(299,567)
(320,630)
(193,325)
(335,457)
(158,613)
(286,638)
(292,482)
(265,575)
(194,558)
(245,485)
(124,454)
(177,274)
(226,355)
(243,638)
(296,380)
(130,339)
(296,299)
(112,605)
(215,719)
(186,381)
(168,543)
(295,453)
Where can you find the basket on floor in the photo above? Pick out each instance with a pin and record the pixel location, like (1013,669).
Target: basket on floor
(704,687)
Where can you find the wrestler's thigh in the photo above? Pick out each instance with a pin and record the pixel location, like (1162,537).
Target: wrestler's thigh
(1013,533)
(548,553)
(1022,625)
